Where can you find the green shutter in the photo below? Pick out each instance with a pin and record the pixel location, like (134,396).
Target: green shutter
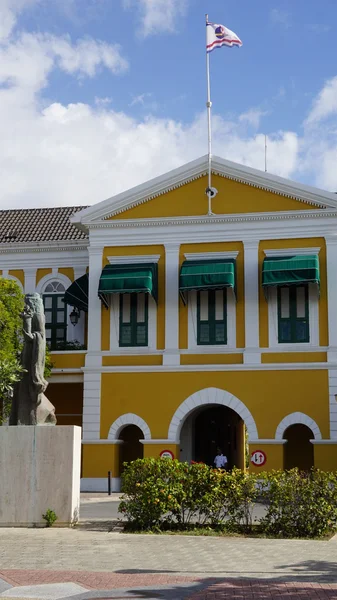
(292,270)
(77,293)
(206,275)
(128,279)
(133,330)
(293,323)
(56,319)
(213,329)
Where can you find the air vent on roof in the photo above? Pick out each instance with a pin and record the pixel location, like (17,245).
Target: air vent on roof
(11,235)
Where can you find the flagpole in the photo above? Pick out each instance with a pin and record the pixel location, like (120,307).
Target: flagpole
(209,106)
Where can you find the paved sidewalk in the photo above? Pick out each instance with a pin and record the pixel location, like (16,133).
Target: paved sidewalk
(83,564)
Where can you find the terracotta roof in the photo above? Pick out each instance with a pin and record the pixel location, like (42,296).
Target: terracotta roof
(39,225)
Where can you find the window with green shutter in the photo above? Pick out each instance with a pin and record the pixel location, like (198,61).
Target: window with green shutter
(293,314)
(212,317)
(133,320)
(55,311)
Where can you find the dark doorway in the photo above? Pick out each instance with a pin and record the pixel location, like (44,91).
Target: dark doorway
(219,427)
(131,448)
(298,451)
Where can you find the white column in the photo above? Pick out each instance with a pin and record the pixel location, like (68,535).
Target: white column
(30,280)
(331,263)
(171,353)
(93,362)
(252,353)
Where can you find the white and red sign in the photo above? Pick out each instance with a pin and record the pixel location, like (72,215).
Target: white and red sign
(258,458)
(167,454)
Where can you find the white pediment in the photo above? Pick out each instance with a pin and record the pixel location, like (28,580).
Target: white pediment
(193,170)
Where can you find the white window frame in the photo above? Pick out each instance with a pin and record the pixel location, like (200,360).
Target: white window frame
(313,299)
(114,308)
(192,309)
(193,325)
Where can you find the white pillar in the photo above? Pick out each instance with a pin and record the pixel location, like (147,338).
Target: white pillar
(171,353)
(30,280)
(92,374)
(252,353)
(331,263)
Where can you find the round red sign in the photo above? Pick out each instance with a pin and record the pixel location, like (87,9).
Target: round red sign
(167,454)
(258,458)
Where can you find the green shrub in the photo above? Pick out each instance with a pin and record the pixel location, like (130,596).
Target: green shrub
(163,493)
(50,517)
(300,504)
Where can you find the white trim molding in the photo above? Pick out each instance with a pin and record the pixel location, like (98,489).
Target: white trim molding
(54,276)
(252,352)
(171,355)
(210,255)
(203,398)
(297,418)
(125,420)
(267,442)
(192,325)
(114,328)
(313,320)
(136,260)
(160,442)
(278,252)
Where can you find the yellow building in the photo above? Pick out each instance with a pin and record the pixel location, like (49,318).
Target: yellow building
(192,332)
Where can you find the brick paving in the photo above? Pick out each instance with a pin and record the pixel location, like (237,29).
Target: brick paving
(113,565)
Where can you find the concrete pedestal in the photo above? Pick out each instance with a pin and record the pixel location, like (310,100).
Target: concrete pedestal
(39,469)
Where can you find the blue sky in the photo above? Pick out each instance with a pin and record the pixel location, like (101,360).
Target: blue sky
(99,95)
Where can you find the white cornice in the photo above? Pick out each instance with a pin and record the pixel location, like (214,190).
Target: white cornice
(310,366)
(291,252)
(210,255)
(45,260)
(73,246)
(126,260)
(206,220)
(194,170)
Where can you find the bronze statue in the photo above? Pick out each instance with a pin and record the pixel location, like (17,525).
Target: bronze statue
(30,406)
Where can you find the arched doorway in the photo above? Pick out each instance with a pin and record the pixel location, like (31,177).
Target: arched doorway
(210,428)
(298,451)
(131,448)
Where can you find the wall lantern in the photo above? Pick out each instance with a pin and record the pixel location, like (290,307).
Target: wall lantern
(74,316)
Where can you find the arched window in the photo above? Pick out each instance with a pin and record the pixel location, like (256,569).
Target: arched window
(56,314)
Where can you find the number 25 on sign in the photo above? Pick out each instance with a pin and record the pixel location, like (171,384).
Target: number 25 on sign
(258,458)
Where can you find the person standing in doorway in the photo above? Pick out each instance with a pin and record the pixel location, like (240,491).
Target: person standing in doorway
(220,460)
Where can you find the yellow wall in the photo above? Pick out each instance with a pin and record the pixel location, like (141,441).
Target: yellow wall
(233,197)
(325,456)
(19,274)
(108,361)
(68,272)
(269,395)
(136,251)
(211,359)
(68,360)
(274,455)
(293,357)
(323,312)
(155,450)
(98,459)
(42,273)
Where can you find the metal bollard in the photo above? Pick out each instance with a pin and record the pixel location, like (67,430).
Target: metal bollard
(109,483)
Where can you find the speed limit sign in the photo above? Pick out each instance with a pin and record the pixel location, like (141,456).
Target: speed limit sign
(258,458)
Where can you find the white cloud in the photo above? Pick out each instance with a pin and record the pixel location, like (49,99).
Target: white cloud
(9,11)
(280,17)
(325,104)
(158,16)
(252,117)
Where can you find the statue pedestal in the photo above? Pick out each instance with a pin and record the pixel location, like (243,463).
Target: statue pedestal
(39,470)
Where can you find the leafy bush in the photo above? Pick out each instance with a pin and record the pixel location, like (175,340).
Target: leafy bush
(300,504)
(50,517)
(163,493)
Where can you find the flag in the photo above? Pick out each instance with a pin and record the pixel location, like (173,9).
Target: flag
(219,35)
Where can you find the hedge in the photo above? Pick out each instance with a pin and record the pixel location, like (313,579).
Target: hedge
(163,494)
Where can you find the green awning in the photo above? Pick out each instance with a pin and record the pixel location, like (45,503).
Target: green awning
(128,279)
(206,275)
(290,270)
(77,293)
